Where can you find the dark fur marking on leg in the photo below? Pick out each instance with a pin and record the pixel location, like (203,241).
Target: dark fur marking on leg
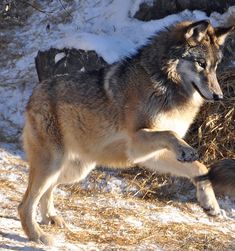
(201,178)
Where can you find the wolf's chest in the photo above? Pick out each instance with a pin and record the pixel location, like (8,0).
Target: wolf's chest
(176,121)
(179,119)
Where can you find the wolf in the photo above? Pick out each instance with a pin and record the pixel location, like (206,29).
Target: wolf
(134,112)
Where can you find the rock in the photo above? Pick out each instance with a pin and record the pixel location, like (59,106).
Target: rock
(15,13)
(162,8)
(55,61)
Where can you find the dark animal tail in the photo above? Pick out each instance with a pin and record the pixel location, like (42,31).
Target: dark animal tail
(222,176)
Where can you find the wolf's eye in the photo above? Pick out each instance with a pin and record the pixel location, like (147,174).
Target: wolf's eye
(202,64)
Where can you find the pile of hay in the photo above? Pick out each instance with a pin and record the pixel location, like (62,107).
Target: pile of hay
(213,132)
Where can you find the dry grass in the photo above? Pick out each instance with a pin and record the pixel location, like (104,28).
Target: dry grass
(107,225)
(96,219)
(171,236)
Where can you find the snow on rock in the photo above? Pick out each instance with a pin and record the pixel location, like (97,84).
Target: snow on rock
(59,56)
(226,19)
(108,27)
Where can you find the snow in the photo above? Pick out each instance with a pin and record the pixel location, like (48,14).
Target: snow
(59,56)
(103,44)
(133,221)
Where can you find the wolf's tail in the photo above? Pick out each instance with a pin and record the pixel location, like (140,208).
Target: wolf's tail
(222,176)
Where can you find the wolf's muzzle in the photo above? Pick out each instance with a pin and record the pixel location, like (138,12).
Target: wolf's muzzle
(218,97)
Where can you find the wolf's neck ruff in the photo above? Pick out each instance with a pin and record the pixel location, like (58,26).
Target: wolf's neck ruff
(172,74)
(187,55)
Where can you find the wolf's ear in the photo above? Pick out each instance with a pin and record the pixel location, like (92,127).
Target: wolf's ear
(222,33)
(196,31)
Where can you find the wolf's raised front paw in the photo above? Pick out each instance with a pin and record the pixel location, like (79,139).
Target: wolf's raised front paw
(187,154)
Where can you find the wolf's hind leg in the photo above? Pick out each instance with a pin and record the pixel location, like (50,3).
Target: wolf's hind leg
(144,144)
(166,163)
(48,211)
(71,171)
(43,172)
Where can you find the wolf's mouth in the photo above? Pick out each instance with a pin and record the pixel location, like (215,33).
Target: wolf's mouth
(198,90)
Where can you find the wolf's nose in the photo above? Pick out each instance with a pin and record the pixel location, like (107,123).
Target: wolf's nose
(218,96)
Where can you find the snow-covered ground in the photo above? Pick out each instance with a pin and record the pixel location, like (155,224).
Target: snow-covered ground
(106,212)
(103,214)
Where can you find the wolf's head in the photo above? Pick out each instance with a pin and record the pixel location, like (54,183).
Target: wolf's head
(199,55)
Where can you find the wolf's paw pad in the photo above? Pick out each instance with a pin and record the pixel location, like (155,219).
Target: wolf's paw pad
(187,154)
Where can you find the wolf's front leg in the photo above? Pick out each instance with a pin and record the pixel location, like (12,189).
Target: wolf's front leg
(166,163)
(144,144)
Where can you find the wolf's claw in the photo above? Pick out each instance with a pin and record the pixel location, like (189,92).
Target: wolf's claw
(187,154)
